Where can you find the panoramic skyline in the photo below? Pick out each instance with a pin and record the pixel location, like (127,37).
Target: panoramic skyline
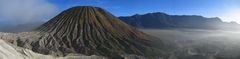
(38,10)
(227,10)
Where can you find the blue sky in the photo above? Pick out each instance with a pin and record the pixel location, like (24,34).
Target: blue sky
(207,8)
(129,7)
(34,10)
(119,7)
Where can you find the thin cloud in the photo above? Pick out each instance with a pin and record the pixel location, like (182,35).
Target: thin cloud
(25,11)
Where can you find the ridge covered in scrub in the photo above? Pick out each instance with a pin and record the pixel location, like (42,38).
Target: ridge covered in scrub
(159,20)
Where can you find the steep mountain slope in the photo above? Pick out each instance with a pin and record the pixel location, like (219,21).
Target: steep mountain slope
(90,30)
(85,30)
(151,20)
(162,20)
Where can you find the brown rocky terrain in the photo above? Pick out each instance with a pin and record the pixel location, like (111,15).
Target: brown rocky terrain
(85,30)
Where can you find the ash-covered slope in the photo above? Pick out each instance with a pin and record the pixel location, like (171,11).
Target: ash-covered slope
(86,30)
(10,51)
(89,30)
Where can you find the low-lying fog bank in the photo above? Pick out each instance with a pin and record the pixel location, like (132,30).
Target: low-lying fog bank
(217,43)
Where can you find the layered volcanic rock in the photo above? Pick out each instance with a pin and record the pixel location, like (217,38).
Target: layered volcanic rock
(89,30)
(84,30)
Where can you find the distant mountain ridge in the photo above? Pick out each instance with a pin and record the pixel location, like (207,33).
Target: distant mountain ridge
(163,20)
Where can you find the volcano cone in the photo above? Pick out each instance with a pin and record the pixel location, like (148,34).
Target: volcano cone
(90,31)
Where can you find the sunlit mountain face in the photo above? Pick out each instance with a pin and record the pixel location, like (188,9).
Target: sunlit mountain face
(119,29)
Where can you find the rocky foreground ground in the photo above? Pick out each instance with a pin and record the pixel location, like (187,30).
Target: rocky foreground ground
(9,48)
